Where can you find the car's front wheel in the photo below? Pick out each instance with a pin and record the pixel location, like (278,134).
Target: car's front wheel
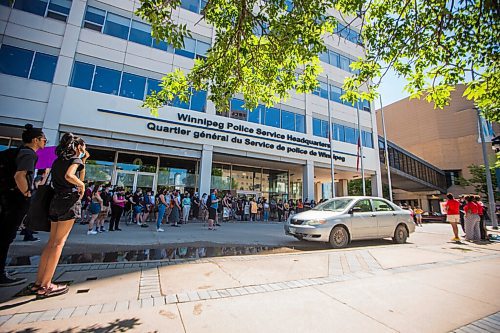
(400,235)
(339,238)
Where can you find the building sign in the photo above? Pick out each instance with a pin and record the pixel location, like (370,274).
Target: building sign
(216,131)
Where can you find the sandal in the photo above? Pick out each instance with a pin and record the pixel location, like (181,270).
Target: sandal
(51,291)
(33,289)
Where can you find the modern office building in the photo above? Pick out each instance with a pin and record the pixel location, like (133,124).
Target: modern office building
(448,139)
(85,66)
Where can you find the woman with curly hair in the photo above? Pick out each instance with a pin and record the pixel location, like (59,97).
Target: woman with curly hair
(68,172)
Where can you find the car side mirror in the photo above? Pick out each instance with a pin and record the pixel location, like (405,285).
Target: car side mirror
(355,210)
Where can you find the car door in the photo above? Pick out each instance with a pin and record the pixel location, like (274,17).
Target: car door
(363,221)
(386,217)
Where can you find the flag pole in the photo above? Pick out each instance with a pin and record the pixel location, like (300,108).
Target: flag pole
(386,151)
(330,137)
(360,149)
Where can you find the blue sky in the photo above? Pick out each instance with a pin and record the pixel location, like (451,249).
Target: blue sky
(391,89)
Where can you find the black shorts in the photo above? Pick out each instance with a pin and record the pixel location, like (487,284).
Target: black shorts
(212,212)
(65,206)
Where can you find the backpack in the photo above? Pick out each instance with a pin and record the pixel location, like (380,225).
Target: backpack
(209,200)
(8,168)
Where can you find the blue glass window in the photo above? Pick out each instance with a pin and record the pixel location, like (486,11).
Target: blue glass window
(95,15)
(202,49)
(140,33)
(117,26)
(334,59)
(15,61)
(344,63)
(350,135)
(300,123)
(180,104)
(288,120)
(162,45)
(255,116)
(94,18)
(237,109)
(324,129)
(338,132)
(189,48)
(44,67)
(272,117)
(366,105)
(316,127)
(82,75)
(37,7)
(153,85)
(367,139)
(106,80)
(132,86)
(323,56)
(336,92)
(191,5)
(199,100)
(323,90)
(60,6)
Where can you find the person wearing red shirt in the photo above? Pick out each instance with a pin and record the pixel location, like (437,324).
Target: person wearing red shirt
(471,209)
(453,215)
(482,225)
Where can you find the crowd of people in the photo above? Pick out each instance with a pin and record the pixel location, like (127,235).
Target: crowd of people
(173,207)
(468,211)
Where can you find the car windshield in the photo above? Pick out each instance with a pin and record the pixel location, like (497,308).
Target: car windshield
(334,205)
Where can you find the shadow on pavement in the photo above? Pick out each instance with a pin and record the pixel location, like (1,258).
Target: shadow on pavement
(115,326)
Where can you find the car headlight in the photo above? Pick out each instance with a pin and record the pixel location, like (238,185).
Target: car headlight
(314,222)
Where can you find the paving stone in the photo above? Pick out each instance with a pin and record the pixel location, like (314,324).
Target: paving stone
(147,303)
(94,309)
(49,315)
(267,287)
(483,325)
(159,300)
(170,299)
(65,313)
(193,296)
(134,304)
(275,286)
(224,293)
(213,294)
(203,294)
(233,292)
(4,318)
(183,297)
(250,289)
(242,291)
(122,306)
(108,307)
(17,318)
(32,317)
(80,311)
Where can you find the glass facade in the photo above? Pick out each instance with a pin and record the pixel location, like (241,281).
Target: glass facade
(27,63)
(273,116)
(138,32)
(110,81)
(177,173)
(341,133)
(412,166)
(56,9)
(100,165)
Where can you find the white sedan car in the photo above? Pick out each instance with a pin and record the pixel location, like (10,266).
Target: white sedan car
(341,220)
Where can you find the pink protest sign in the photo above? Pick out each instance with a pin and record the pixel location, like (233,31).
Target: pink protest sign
(46,157)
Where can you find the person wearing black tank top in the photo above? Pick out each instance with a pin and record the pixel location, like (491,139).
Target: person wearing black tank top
(68,173)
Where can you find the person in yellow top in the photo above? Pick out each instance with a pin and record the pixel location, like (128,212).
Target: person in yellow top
(253,209)
(418,215)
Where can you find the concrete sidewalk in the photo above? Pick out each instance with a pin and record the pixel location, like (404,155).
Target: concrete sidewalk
(428,286)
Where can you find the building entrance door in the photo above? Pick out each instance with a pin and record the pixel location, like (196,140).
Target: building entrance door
(131,180)
(249,194)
